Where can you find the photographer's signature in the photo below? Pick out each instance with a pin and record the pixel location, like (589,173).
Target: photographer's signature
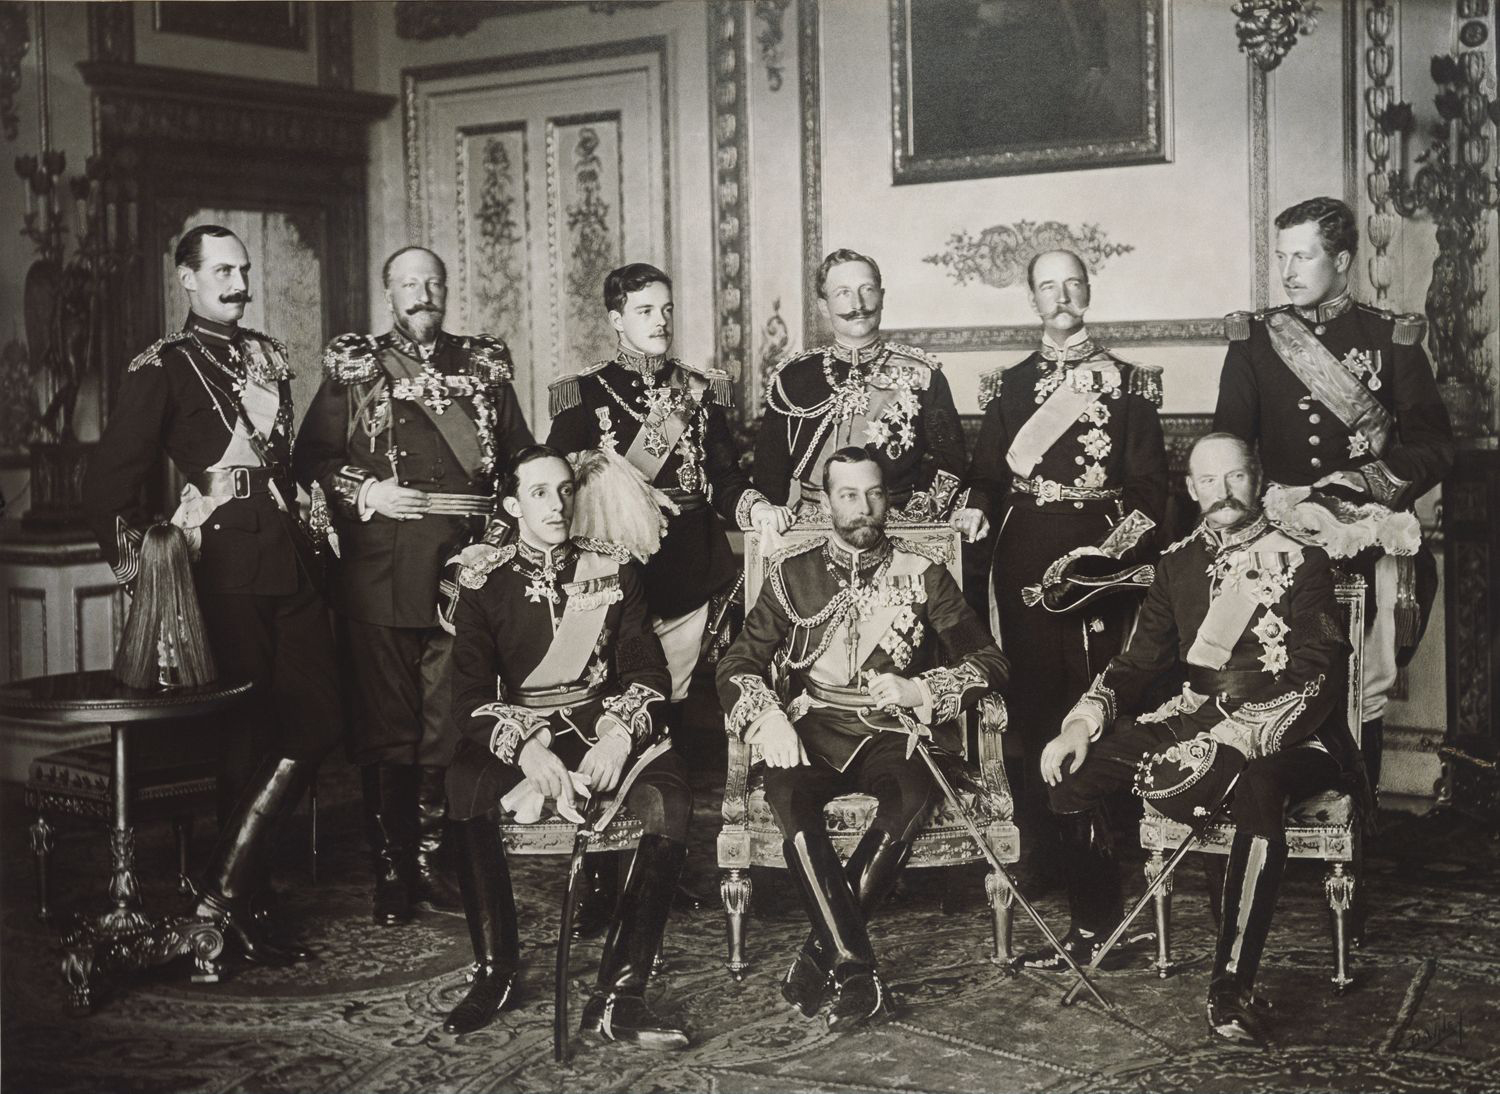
(1428,1036)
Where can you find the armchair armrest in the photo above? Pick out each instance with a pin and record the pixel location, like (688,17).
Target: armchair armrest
(993,720)
(736,809)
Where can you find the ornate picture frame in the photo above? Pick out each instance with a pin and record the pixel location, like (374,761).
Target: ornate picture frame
(981,88)
(278,23)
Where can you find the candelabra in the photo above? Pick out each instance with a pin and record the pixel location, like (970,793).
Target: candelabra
(1455,186)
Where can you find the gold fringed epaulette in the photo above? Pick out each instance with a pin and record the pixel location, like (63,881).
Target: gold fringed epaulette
(151,355)
(1237,326)
(275,343)
(564,393)
(350,359)
(1409,330)
(989,386)
(916,354)
(609,550)
(491,356)
(1145,381)
(720,383)
(479,560)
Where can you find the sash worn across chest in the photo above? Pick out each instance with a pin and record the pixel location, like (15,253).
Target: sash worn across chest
(1234,605)
(458,430)
(653,444)
(582,621)
(261,402)
(1329,381)
(1051,420)
(900,587)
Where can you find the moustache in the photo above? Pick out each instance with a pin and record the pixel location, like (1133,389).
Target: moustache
(235,298)
(416,308)
(1068,309)
(857,313)
(1228,503)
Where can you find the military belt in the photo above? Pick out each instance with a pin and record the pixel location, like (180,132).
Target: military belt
(846,698)
(568,695)
(687,501)
(235,482)
(1236,684)
(1046,490)
(462,505)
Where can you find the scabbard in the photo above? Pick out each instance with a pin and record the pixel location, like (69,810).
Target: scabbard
(565,945)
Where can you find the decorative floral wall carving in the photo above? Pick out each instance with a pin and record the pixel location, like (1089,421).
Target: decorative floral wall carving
(726,36)
(775,336)
(1380,62)
(500,277)
(1268,29)
(769,14)
(595,248)
(998,255)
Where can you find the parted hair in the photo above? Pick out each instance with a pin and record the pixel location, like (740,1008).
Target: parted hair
(849,454)
(510,482)
(620,283)
(838,258)
(189,251)
(1335,221)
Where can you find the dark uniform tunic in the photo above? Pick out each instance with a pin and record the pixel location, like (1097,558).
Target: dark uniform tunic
(1302,439)
(821,607)
(610,403)
(1279,696)
(511,600)
(257,574)
(440,421)
(892,398)
(1110,462)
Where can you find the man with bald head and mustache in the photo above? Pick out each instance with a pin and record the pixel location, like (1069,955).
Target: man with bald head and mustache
(404,438)
(1071,471)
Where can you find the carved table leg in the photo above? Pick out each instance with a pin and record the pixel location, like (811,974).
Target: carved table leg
(124,892)
(735,892)
(41,847)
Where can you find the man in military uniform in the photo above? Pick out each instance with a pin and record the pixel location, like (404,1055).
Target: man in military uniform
(1338,393)
(564,625)
(875,642)
(1249,615)
(1071,467)
(403,437)
(217,398)
(859,390)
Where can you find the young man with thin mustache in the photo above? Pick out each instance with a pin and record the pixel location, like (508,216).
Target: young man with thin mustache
(404,437)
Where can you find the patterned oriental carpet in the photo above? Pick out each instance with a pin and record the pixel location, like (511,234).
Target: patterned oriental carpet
(1424,1015)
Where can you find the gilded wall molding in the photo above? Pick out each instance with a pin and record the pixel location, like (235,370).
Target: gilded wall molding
(727,41)
(1260,186)
(999,255)
(1380,96)
(809,76)
(1143,332)
(1268,29)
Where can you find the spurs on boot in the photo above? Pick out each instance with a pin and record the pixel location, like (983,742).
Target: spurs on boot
(431,886)
(490,908)
(390,801)
(240,865)
(859,996)
(1251,880)
(617,1010)
(1094,898)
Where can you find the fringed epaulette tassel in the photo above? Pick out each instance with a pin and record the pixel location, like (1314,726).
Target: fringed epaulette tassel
(1408,609)
(563,394)
(722,392)
(1409,330)
(1237,326)
(1145,381)
(989,386)
(164,642)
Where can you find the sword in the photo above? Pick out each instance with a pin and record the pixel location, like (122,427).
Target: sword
(1156,883)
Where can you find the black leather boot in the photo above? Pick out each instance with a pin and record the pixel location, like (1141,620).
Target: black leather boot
(490,908)
(872,870)
(431,885)
(1095,901)
(390,797)
(836,919)
(1251,881)
(597,908)
(618,1011)
(240,865)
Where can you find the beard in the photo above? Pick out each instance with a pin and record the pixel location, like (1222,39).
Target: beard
(861,533)
(420,324)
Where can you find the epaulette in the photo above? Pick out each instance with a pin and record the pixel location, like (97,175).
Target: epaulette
(989,386)
(491,355)
(1145,381)
(350,359)
(275,343)
(720,385)
(777,560)
(564,392)
(934,552)
(151,355)
(483,559)
(793,356)
(1237,325)
(774,566)
(915,354)
(604,547)
(1409,330)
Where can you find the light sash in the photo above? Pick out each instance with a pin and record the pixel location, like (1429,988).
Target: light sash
(1042,430)
(648,463)
(1329,381)
(1232,608)
(573,642)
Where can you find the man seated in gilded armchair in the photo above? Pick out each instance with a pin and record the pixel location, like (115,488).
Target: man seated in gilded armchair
(870,641)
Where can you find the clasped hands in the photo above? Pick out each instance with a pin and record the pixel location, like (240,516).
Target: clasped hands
(390,499)
(599,770)
(777,738)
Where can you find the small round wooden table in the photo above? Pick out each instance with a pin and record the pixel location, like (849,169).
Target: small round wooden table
(124,938)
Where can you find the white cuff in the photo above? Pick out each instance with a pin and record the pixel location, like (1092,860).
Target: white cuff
(360,504)
(923,710)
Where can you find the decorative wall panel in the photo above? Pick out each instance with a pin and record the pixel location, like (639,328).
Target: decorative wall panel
(585,233)
(492,269)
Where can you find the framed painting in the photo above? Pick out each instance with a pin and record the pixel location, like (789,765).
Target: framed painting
(1008,87)
(252,22)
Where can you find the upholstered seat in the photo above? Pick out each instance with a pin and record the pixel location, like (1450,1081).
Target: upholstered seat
(1324,826)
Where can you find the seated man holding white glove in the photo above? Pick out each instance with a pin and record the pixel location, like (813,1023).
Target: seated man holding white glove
(876,642)
(1250,617)
(559,627)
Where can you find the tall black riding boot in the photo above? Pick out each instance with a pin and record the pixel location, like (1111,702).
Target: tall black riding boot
(597,908)
(490,908)
(1251,881)
(872,871)
(431,885)
(617,1010)
(1371,747)
(241,863)
(836,919)
(1094,897)
(390,794)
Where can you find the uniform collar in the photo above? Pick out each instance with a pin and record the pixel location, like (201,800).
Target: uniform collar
(847,558)
(1233,538)
(553,558)
(405,344)
(847,354)
(644,365)
(1329,309)
(1080,346)
(209,331)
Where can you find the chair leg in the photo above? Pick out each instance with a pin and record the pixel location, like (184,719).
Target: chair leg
(1339,887)
(1163,903)
(735,892)
(1002,899)
(41,846)
(182,831)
